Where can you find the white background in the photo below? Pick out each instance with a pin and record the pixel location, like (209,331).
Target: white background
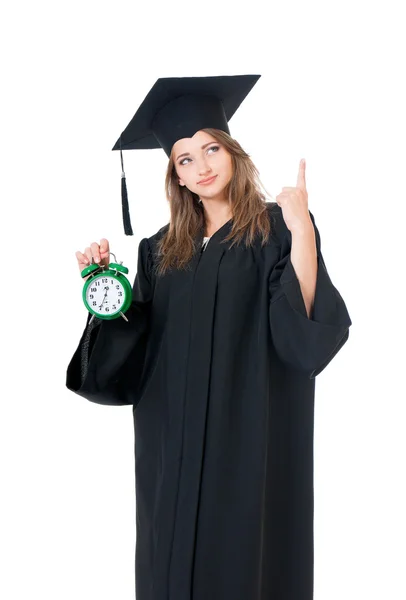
(331,91)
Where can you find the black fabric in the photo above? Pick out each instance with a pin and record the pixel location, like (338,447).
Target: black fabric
(306,344)
(220,363)
(177,107)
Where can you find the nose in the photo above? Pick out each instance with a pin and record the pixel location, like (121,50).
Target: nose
(204,169)
(203,165)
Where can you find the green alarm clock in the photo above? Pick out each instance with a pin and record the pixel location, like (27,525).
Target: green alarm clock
(107,293)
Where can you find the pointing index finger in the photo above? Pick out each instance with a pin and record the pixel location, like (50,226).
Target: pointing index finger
(301,177)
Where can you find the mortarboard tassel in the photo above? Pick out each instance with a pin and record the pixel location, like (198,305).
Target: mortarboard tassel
(124,199)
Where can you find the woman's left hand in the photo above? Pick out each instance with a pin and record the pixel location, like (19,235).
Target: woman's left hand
(294,203)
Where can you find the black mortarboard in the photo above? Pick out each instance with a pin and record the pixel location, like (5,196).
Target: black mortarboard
(177,107)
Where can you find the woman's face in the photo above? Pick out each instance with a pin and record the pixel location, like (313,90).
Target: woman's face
(200,163)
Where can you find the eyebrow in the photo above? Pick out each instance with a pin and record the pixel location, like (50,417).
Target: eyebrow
(188,153)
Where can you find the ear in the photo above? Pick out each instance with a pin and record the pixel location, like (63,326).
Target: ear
(181,182)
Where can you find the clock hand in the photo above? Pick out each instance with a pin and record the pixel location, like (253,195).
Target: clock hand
(104,297)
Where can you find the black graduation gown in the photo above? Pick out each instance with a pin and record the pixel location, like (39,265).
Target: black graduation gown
(219,363)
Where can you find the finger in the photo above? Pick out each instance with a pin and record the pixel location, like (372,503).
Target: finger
(82,258)
(104,245)
(289,189)
(301,176)
(104,248)
(280,198)
(88,254)
(95,251)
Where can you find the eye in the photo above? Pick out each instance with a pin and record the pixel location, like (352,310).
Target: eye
(211,148)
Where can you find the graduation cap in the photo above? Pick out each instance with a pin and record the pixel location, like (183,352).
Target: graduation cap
(177,107)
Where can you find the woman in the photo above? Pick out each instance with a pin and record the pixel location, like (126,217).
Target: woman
(218,358)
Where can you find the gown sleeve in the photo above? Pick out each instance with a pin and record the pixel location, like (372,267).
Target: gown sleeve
(107,365)
(307,344)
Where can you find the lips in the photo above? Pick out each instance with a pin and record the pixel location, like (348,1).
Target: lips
(206,181)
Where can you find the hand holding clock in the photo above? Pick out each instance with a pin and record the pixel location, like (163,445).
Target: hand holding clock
(100,254)
(107,293)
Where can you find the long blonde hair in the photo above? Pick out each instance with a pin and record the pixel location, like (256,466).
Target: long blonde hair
(247,202)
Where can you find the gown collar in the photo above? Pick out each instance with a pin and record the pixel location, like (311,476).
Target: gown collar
(216,237)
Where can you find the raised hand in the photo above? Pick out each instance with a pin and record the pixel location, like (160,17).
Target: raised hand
(294,202)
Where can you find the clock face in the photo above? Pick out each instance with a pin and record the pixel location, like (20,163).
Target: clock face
(105,295)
